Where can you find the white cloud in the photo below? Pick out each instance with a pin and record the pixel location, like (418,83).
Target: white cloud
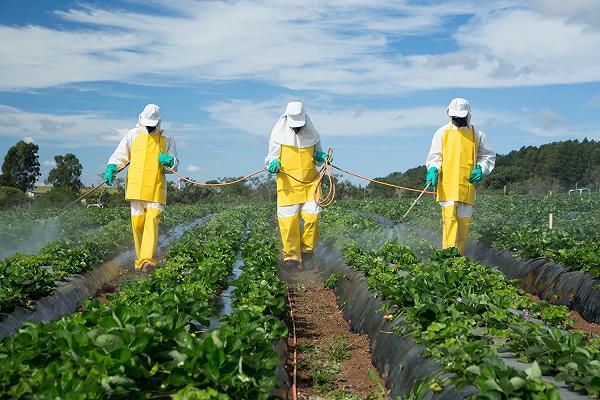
(258,118)
(86,129)
(594,102)
(548,119)
(336,46)
(82,129)
(49,163)
(580,11)
(547,123)
(193,168)
(113,134)
(28,139)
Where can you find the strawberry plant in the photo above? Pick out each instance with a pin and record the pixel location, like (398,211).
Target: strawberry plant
(459,310)
(24,278)
(518,224)
(151,340)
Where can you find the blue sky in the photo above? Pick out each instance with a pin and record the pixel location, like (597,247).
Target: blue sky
(376,76)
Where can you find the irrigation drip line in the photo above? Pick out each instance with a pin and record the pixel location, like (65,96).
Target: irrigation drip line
(294,388)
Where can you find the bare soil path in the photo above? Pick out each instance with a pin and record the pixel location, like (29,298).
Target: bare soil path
(333,362)
(580,324)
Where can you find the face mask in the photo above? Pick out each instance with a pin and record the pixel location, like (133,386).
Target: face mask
(297,130)
(151,129)
(459,122)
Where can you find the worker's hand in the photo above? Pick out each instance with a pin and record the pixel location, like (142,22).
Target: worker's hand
(274,166)
(322,157)
(166,160)
(109,174)
(432,176)
(476,175)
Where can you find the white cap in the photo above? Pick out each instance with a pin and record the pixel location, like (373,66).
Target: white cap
(459,108)
(151,115)
(295,114)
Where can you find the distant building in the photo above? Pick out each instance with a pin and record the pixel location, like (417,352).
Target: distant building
(33,194)
(38,191)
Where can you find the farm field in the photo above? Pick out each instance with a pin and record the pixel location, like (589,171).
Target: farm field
(152,339)
(42,225)
(85,239)
(518,224)
(482,330)
(168,334)
(237,200)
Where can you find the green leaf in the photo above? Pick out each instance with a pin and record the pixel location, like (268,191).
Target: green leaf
(109,342)
(534,372)
(139,344)
(215,337)
(517,382)
(489,384)
(473,369)
(178,357)
(594,386)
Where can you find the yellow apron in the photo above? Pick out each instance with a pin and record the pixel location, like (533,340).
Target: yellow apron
(145,178)
(459,149)
(300,164)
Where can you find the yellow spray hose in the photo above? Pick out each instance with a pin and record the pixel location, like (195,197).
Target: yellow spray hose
(327,172)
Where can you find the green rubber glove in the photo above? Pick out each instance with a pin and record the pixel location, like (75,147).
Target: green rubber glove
(322,157)
(476,175)
(274,166)
(432,176)
(109,174)
(166,160)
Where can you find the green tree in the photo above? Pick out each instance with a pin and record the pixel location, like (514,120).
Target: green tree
(11,197)
(412,178)
(67,173)
(21,166)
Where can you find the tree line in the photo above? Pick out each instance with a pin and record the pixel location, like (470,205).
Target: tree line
(554,167)
(21,170)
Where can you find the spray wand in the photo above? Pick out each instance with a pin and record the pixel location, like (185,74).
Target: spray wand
(89,192)
(415,202)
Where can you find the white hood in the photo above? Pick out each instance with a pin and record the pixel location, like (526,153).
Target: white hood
(283,134)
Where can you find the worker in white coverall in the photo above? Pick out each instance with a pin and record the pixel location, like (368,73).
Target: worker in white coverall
(459,158)
(295,149)
(148,150)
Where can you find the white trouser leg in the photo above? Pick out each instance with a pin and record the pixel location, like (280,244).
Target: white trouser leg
(138,207)
(310,207)
(463,210)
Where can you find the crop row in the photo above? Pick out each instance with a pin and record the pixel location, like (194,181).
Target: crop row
(519,224)
(24,278)
(463,314)
(28,230)
(133,344)
(151,339)
(259,307)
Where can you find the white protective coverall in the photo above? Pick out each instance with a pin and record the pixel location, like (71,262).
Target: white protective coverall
(457,204)
(146,188)
(296,153)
